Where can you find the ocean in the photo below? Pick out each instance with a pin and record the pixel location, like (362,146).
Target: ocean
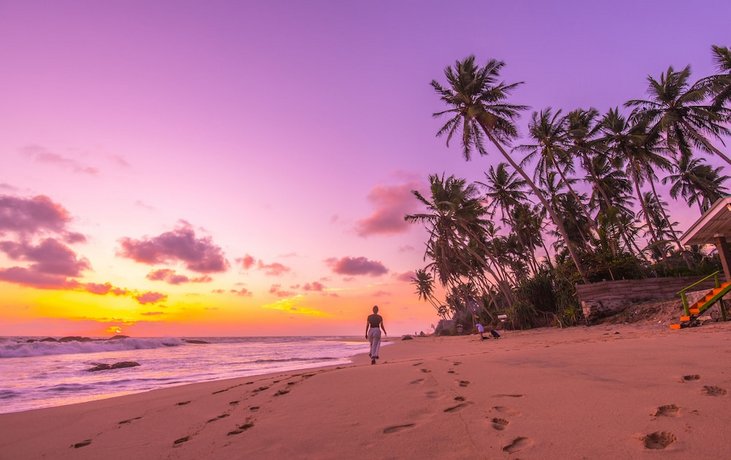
(36,374)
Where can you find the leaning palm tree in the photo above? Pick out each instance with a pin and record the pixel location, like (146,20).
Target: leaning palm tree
(424,282)
(697,182)
(478,109)
(677,110)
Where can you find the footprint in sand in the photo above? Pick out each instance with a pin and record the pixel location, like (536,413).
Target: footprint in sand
(451,371)
(709,390)
(691,377)
(254,408)
(658,440)
(233,403)
(281,392)
(670,410)
(217,418)
(241,428)
(179,441)
(431,394)
(508,396)
(457,363)
(417,364)
(257,390)
(459,406)
(459,398)
(499,423)
(83,443)
(464,383)
(124,422)
(413,382)
(518,443)
(506,410)
(395,428)
(426,371)
(182,403)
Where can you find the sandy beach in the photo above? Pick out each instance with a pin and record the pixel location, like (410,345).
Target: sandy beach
(610,391)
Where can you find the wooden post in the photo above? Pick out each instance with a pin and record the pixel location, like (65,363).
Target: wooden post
(725,255)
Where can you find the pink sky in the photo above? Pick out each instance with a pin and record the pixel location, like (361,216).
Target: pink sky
(242,168)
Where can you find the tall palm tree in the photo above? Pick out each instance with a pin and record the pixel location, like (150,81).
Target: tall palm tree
(424,282)
(678,111)
(478,108)
(697,182)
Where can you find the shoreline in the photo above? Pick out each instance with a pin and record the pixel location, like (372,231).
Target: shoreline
(608,391)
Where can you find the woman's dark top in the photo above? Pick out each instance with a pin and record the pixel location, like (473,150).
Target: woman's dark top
(375,321)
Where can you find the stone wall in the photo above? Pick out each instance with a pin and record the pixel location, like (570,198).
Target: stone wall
(610,297)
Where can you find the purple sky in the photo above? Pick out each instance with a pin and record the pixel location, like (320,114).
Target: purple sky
(291,131)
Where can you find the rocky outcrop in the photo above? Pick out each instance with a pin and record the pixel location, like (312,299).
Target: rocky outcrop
(119,365)
(74,338)
(407,337)
(118,337)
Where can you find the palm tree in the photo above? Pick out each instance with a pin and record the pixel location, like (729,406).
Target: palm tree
(628,144)
(551,148)
(478,109)
(424,282)
(456,224)
(697,182)
(721,83)
(503,189)
(677,110)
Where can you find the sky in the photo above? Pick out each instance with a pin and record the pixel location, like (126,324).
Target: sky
(180,168)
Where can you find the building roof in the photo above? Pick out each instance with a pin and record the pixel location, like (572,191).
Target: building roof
(715,222)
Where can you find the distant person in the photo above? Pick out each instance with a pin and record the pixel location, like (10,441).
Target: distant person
(374,324)
(481,330)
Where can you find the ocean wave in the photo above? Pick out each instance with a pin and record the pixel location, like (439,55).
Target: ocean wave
(7,394)
(27,349)
(287,360)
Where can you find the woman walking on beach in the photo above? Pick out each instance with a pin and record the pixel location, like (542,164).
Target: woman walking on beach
(374,324)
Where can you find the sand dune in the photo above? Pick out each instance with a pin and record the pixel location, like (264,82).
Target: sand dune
(600,392)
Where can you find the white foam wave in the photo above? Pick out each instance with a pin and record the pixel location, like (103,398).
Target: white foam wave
(27,349)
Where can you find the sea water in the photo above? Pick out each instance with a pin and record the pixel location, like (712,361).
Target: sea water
(36,374)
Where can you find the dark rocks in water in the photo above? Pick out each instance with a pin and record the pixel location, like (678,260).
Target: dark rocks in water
(196,341)
(407,337)
(48,339)
(119,365)
(118,337)
(74,338)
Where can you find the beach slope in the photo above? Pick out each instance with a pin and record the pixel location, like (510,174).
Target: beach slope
(599,392)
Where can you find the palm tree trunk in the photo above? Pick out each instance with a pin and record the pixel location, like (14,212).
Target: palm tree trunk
(592,225)
(539,194)
(650,228)
(670,225)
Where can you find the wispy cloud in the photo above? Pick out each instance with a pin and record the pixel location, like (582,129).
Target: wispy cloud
(391,203)
(41,154)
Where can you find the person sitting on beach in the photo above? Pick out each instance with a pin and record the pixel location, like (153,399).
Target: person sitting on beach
(374,324)
(481,330)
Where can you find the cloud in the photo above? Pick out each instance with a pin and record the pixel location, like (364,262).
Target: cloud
(198,254)
(406,248)
(218,291)
(104,289)
(356,266)
(243,292)
(171,277)
(273,269)
(8,187)
(246,262)
(150,297)
(43,155)
(392,203)
(31,216)
(314,286)
(381,294)
(33,278)
(405,276)
(49,257)
(276,289)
